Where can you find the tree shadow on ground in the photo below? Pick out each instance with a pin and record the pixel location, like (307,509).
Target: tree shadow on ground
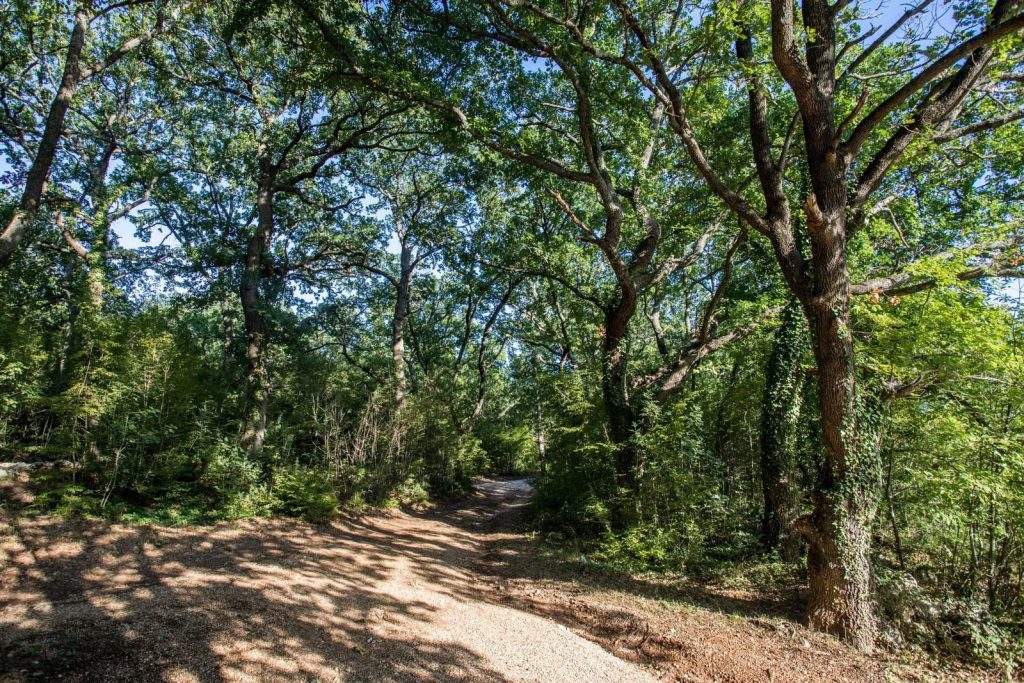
(365,598)
(511,555)
(87,600)
(685,629)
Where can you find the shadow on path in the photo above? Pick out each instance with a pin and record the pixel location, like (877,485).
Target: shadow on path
(383,597)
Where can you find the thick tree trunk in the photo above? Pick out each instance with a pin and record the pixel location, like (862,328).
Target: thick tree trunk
(620,411)
(39,171)
(254,427)
(402,297)
(839,569)
(839,530)
(780,410)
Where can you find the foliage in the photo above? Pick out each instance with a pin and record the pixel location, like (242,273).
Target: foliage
(228,472)
(649,547)
(303,492)
(955,627)
(508,449)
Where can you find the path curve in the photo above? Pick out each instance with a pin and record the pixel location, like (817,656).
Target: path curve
(386,597)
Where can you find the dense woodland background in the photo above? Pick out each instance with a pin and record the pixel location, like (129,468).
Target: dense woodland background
(736,281)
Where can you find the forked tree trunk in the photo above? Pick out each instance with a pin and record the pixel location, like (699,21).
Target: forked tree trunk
(53,130)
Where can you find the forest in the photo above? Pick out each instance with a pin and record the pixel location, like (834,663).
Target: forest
(734,284)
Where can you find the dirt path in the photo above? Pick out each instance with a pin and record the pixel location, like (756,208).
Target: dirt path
(377,598)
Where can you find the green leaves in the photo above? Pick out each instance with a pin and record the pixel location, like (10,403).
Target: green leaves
(243,16)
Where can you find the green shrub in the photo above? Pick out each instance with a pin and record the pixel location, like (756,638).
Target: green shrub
(577,483)
(647,547)
(258,501)
(410,492)
(509,450)
(305,492)
(228,471)
(956,627)
(65,499)
(455,460)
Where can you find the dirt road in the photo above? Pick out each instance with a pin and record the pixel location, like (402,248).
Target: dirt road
(388,597)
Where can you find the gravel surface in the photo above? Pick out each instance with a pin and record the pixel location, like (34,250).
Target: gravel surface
(384,597)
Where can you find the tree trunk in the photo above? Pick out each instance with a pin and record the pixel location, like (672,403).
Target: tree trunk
(780,411)
(542,439)
(254,428)
(53,130)
(89,338)
(98,256)
(226,331)
(839,531)
(402,297)
(621,413)
(890,506)
(721,435)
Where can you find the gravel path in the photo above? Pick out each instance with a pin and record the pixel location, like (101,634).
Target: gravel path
(389,597)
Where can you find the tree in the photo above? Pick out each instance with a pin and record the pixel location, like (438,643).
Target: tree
(421,206)
(119,37)
(722,269)
(569,147)
(282,138)
(835,149)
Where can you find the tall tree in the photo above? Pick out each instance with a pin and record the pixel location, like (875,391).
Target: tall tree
(420,204)
(88,54)
(846,162)
(282,137)
(574,148)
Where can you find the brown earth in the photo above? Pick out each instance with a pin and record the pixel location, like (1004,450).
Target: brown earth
(455,594)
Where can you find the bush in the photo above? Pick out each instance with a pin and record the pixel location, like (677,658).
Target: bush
(228,471)
(647,547)
(510,450)
(258,501)
(66,499)
(956,627)
(373,461)
(455,460)
(305,492)
(409,492)
(577,482)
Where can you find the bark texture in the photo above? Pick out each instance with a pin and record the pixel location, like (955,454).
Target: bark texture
(403,293)
(839,570)
(257,394)
(53,130)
